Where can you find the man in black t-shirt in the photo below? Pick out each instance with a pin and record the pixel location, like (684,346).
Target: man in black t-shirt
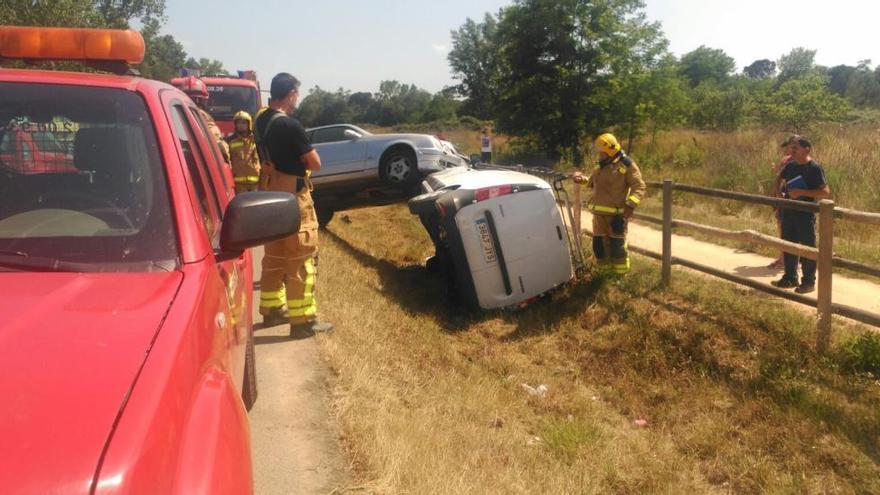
(289,264)
(801,179)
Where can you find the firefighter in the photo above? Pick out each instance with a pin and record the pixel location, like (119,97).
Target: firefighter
(197,91)
(243,154)
(618,189)
(289,264)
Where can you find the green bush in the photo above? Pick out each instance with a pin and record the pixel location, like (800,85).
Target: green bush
(862,354)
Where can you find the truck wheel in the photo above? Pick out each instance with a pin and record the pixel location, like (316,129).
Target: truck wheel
(324,217)
(249,387)
(400,168)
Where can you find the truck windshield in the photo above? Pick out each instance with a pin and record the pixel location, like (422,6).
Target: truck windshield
(225,101)
(82,186)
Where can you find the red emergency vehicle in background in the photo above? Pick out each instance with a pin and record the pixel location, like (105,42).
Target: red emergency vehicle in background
(227,95)
(126,340)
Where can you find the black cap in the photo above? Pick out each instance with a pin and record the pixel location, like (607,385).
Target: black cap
(282,84)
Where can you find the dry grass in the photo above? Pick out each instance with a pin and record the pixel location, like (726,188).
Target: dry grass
(430,397)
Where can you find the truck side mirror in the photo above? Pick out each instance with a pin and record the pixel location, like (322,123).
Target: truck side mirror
(255,218)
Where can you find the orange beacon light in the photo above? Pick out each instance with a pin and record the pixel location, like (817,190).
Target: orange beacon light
(50,43)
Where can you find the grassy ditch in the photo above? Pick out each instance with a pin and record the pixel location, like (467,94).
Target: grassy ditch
(703,387)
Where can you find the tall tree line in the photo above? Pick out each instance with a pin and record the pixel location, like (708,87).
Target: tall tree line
(164,56)
(555,72)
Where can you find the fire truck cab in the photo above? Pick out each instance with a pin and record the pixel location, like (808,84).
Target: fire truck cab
(227,95)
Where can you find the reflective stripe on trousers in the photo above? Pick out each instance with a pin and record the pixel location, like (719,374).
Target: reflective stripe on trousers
(272,299)
(307,306)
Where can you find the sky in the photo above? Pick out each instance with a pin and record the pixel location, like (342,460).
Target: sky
(356,44)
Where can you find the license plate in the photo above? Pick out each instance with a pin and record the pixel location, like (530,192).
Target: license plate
(486,241)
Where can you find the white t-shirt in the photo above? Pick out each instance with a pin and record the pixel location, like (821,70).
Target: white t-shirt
(486,144)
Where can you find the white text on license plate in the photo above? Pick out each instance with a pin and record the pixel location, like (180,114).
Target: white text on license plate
(486,240)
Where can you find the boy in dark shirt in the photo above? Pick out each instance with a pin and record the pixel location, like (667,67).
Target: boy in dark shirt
(801,179)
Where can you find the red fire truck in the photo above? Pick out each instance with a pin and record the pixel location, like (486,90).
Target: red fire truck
(227,95)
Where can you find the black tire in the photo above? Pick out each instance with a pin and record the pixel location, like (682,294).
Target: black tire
(249,387)
(324,217)
(399,168)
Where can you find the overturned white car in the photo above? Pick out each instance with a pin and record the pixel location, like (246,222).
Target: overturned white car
(500,237)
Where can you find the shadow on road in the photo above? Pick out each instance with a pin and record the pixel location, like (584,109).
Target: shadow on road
(271,339)
(756,271)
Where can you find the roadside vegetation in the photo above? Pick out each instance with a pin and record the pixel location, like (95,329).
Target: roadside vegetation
(703,387)
(742,161)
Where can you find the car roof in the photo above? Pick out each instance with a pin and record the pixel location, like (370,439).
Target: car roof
(310,129)
(102,80)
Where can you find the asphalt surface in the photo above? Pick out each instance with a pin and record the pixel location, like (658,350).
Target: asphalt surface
(295,441)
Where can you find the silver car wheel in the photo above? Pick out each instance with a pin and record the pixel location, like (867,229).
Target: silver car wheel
(399,169)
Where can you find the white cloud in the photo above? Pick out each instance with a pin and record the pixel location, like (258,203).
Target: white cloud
(441,49)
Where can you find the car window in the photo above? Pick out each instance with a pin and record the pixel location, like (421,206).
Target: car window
(7,142)
(205,197)
(208,139)
(86,189)
(226,101)
(329,135)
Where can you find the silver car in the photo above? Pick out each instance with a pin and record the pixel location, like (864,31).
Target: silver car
(359,168)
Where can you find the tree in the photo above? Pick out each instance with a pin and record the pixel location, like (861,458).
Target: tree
(442,107)
(474,60)
(206,66)
(563,63)
(800,103)
(799,62)
(863,87)
(706,64)
(838,78)
(761,69)
(657,97)
(164,55)
(325,108)
(721,106)
(79,13)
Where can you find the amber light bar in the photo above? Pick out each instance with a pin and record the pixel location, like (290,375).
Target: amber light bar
(41,43)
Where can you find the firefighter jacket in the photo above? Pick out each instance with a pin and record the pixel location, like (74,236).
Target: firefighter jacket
(616,184)
(215,133)
(244,159)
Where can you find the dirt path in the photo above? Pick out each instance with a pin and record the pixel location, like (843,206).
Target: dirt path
(851,292)
(295,441)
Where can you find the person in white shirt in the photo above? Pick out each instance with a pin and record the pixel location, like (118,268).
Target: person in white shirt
(485,147)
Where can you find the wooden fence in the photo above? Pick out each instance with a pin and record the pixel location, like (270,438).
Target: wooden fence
(822,254)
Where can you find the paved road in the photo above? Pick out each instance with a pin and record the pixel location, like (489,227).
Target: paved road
(295,441)
(848,291)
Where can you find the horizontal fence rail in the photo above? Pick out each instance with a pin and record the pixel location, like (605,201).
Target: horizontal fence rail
(823,254)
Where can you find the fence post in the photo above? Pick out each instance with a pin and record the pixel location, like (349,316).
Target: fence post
(577,209)
(824,267)
(666,271)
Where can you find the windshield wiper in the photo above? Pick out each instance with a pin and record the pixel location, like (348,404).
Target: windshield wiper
(25,262)
(14,253)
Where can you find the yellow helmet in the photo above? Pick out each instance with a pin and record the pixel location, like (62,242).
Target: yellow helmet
(607,144)
(242,115)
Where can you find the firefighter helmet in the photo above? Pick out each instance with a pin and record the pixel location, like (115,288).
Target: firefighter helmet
(607,143)
(195,88)
(242,115)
